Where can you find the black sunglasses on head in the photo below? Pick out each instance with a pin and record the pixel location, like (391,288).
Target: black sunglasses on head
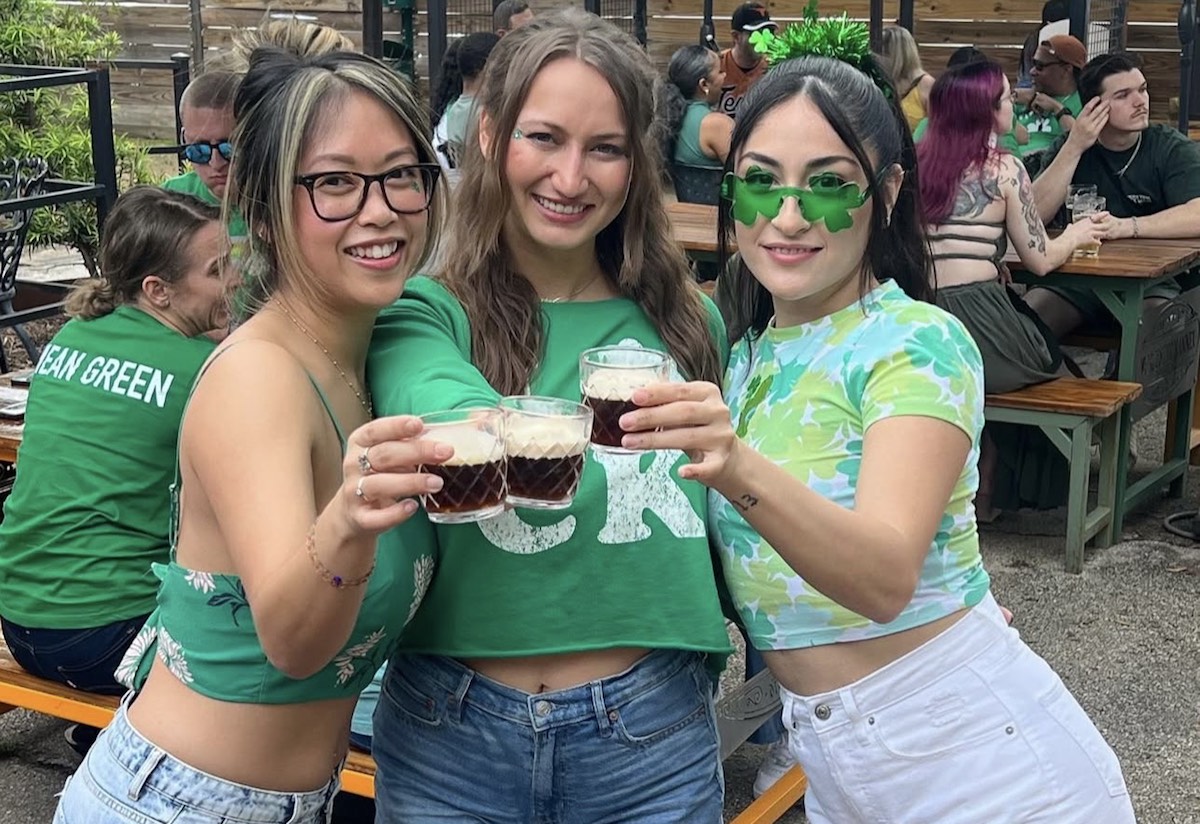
(201,153)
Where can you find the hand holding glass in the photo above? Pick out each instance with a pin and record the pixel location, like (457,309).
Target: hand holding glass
(473,477)
(608,377)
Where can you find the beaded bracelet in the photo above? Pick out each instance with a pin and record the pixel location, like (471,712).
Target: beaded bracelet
(327,575)
(1135,226)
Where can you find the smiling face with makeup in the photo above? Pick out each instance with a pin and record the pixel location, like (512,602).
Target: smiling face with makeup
(567,165)
(810,259)
(363,259)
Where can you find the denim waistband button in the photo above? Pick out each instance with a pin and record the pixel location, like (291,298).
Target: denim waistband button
(542,708)
(822,712)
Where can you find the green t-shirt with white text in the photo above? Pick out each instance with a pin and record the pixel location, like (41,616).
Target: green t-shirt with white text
(628,564)
(1044,129)
(90,509)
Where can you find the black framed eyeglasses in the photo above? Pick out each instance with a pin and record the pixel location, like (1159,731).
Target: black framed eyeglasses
(201,153)
(1042,65)
(407,190)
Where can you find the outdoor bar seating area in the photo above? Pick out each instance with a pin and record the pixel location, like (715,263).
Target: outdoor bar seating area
(880,586)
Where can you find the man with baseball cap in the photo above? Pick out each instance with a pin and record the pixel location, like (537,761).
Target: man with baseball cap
(741,64)
(1049,109)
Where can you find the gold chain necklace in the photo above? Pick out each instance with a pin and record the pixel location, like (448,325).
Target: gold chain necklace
(578,291)
(365,402)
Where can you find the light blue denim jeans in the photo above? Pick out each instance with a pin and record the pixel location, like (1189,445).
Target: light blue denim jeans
(641,746)
(127,780)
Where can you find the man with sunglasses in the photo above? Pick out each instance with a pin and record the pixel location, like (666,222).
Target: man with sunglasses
(1049,109)
(206,113)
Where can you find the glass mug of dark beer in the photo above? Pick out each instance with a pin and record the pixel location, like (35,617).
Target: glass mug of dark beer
(474,477)
(544,442)
(608,377)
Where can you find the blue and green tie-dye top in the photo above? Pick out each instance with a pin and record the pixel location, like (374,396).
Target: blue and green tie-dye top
(804,396)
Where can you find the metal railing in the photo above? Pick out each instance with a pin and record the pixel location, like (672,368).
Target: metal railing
(102,190)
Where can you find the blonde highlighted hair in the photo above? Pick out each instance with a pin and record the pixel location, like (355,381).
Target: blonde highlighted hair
(284,101)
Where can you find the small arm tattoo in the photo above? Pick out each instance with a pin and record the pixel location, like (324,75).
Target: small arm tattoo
(745,503)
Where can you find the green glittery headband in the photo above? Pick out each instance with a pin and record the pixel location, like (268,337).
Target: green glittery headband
(837,37)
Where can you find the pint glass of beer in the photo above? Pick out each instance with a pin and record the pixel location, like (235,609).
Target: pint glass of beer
(544,440)
(1084,207)
(608,377)
(474,477)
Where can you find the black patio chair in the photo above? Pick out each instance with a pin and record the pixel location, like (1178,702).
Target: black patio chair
(19,178)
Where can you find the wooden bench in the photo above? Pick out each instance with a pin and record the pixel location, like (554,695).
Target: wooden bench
(20,689)
(1068,410)
(738,715)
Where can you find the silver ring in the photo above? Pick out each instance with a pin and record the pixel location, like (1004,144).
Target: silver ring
(364,463)
(358,489)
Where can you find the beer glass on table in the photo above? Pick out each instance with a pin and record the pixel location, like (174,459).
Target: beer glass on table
(608,377)
(1086,206)
(544,439)
(474,477)
(1075,190)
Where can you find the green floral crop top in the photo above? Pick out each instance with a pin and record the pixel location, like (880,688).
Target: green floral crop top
(203,628)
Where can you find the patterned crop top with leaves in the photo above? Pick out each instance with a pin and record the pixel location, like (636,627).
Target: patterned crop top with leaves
(203,630)
(805,396)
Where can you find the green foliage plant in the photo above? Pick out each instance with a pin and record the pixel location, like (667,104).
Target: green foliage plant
(53,123)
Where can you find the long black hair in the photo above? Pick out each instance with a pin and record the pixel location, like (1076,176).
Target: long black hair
(864,117)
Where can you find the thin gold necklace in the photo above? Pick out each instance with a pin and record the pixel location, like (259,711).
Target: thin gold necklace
(578,291)
(365,402)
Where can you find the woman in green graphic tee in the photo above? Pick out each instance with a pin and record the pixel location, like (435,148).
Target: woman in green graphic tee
(559,667)
(88,513)
(843,471)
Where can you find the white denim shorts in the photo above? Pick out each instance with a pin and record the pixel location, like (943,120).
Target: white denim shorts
(972,727)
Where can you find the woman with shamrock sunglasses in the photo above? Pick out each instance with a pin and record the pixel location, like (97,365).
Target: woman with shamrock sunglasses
(842,473)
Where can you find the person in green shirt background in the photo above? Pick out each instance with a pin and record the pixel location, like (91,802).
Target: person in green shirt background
(206,114)
(88,513)
(1049,109)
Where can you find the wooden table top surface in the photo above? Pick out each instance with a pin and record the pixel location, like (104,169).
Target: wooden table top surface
(695,228)
(1129,258)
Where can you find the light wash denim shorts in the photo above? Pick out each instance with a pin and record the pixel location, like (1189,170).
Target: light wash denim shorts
(971,727)
(127,780)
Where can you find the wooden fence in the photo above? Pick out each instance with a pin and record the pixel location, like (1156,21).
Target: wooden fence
(158,29)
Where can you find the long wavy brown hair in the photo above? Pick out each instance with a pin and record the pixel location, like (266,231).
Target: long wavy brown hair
(636,251)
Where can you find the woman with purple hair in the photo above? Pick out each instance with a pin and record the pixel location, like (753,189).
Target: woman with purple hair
(975,197)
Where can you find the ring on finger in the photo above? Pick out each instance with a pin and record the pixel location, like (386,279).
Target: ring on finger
(358,489)
(364,463)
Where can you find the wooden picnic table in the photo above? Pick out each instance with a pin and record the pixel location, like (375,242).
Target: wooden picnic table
(1120,276)
(11,431)
(694,226)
